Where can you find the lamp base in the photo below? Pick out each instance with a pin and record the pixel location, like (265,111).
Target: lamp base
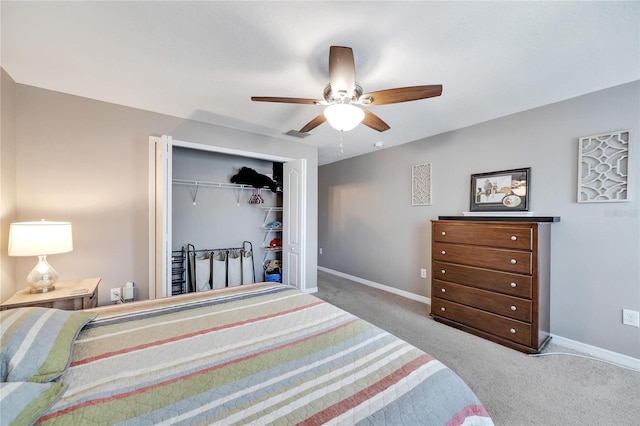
(42,278)
(43,289)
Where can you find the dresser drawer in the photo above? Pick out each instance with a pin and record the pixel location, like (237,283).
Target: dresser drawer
(485,257)
(501,304)
(483,234)
(509,329)
(487,279)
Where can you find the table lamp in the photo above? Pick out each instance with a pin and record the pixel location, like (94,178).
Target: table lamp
(40,239)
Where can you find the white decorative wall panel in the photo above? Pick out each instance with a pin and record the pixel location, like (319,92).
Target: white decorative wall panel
(603,168)
(421,185)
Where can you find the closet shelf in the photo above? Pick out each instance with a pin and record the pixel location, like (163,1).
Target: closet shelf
(222,185)
(225,185)
(268,228)
(267,211)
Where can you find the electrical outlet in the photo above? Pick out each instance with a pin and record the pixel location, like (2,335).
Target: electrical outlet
(630,317)
(115,294)
(320,250)
(423,273)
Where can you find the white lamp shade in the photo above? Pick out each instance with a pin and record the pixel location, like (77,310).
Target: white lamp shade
(343,116)
(39,238)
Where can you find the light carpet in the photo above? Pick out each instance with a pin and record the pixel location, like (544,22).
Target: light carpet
(516,389)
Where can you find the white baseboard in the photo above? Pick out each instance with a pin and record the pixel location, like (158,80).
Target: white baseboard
(604,354)
(379,286)
(596,352)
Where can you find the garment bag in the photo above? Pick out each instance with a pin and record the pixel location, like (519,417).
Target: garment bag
(219,270)
(234,268)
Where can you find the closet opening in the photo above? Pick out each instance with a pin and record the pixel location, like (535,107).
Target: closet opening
(226,220)
(210,230)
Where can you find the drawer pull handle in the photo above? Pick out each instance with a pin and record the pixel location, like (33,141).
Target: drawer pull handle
(513,261)
(512,331)
(442,309)
(444,291)
(514,238)
(443,271)
(444,233)
(513,308)
(514,285)
(443,252)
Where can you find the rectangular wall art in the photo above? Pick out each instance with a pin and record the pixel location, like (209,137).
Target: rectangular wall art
(603,167)
(421,185)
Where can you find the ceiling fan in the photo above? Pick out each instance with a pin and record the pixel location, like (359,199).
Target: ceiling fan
(343,95)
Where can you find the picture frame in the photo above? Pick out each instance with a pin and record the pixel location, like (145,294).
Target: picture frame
(501,191)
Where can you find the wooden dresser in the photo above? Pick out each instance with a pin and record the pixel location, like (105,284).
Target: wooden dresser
(491,278)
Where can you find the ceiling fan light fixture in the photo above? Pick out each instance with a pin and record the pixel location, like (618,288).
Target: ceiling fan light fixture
(343,93)
(343,117)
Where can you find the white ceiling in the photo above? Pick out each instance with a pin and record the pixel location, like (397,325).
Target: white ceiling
(204,60)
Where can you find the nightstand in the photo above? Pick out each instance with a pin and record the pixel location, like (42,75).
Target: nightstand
(68,295)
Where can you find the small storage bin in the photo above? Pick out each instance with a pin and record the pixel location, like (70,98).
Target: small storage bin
(273,278)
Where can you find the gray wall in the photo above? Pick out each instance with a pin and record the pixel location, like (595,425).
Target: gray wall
(8,89)
(86,161)
(368,228)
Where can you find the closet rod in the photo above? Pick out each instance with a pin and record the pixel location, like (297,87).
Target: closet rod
(218,249)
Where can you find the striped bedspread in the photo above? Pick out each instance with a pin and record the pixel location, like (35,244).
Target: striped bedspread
(258,354)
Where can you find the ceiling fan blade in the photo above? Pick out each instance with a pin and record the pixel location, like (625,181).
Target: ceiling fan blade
(373,121)
(313,123)
(342,70)
(401,94)
(286,100)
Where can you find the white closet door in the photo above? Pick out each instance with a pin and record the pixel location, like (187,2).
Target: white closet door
(294,223)
(162,216)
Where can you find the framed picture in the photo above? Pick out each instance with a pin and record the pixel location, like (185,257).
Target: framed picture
(506,190)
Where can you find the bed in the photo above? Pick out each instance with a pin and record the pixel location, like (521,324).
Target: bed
(256,354)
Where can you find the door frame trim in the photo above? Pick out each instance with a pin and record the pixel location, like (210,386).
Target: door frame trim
(230,151)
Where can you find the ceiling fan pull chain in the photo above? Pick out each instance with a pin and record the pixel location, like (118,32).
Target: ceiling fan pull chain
(341,139)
